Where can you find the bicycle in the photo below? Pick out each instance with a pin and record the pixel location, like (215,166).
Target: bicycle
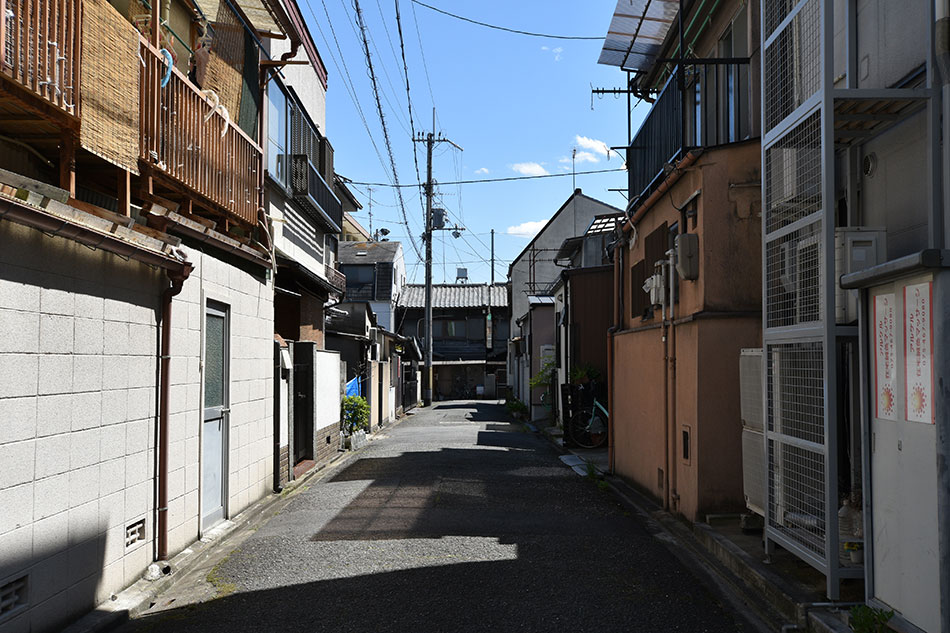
(588,427)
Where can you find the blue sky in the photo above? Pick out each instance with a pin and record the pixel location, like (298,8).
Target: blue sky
(518,105)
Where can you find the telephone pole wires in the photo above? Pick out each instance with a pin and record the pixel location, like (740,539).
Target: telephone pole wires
(430,139)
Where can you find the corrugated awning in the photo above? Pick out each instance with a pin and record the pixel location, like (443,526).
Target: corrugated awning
(637,31)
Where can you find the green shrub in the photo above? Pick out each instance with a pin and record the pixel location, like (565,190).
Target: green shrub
(355,414)
(543,377)
(864,619)
(513,405)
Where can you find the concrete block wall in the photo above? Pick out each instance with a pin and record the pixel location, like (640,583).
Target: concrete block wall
(328,396)
(249,299)
(78,348)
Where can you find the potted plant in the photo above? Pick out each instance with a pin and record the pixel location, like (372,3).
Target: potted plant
(355,416)
(583,374)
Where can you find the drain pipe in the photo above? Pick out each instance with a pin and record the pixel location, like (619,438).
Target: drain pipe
(617,325)
(671,364)
(942,54)
(161,472)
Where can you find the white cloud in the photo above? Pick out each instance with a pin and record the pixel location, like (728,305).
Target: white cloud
(579,157)
(556,51)
(592,144)
(530,169)
(482,170)
(526,229)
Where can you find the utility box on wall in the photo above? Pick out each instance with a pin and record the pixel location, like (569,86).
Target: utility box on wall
(856,248)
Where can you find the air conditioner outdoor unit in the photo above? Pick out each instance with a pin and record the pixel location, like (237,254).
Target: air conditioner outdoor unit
(753,442)
(856,248)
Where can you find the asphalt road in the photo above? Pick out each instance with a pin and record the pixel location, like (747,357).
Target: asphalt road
(457,521)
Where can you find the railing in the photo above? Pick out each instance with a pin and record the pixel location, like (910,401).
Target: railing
(177,139)
(717,103)
(336,278)
(310,188)
(39,48)
(658,141)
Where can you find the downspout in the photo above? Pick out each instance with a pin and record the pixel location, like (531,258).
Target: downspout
(671,363)
(942,54)
(177,280)
(617,325)
(667,479)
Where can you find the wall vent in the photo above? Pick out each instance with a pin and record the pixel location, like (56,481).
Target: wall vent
(13,598)
(135,533)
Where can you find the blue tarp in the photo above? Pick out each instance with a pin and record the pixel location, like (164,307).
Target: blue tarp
(353,388)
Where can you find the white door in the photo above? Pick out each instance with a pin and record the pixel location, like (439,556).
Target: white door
(214,439)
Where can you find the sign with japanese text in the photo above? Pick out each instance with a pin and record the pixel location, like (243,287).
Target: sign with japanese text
(918,353)
(885,356)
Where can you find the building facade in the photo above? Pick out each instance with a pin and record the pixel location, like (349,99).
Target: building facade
(469,335)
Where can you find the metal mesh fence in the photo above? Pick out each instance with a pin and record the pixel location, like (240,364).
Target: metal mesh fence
(793,174)
(797,495)
(775,11)
(793,268)
(793,64)
(796,391)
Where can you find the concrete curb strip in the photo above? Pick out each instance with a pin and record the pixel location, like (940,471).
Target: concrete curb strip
(140,596)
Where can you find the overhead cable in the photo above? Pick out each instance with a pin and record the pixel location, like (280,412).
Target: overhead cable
(485,180)
(382,120)
(504,28)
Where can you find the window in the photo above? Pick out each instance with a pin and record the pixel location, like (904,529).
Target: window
(277,133)
(476,329)
(359,281)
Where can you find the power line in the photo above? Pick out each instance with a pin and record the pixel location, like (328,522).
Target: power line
(504,28)
(347,80)
(405,68)
(422,53)
(382,120)
(484,180)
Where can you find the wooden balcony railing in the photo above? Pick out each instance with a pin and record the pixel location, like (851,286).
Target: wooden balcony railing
(39,48)
(336,278)
(177,140)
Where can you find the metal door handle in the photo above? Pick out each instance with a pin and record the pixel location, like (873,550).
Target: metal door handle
(225,410)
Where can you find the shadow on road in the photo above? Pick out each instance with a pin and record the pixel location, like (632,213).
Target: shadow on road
(467,539)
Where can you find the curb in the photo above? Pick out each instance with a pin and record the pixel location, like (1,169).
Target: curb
(140,596)
(765,599)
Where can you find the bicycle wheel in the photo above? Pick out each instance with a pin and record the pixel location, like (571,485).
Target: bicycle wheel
(587,432)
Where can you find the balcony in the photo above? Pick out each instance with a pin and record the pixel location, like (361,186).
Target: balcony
(713,109)
(39,49)
(184,138)
(311,190)
(336,278)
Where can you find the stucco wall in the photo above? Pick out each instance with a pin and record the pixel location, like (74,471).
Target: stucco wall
(638,410)
(78,349)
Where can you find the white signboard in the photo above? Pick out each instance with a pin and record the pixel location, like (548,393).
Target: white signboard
(918,353)
(885,355)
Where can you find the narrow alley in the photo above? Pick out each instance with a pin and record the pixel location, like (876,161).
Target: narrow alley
(455,520)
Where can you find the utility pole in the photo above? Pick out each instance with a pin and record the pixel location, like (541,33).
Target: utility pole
(370,212)
(430,140)
(490,326)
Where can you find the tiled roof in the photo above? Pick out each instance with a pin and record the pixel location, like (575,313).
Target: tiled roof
(454,296)
(348,252)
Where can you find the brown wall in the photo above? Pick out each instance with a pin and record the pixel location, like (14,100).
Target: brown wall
(638,409)
(591,305)
(311,319)
(716,316)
